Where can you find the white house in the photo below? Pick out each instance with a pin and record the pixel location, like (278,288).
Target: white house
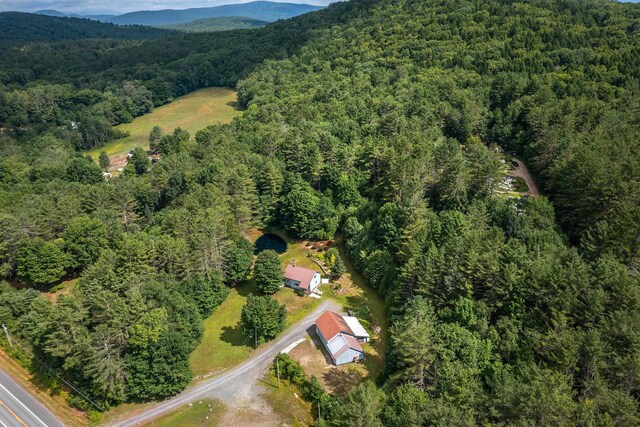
(341,336)
(302,279)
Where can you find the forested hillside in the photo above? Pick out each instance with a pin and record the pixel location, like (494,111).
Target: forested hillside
(224,23)
(27,27)
(381,120)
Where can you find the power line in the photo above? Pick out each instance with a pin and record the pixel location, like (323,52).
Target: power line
(55,373)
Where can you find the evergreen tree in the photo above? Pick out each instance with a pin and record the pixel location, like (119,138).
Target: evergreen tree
(262,318)
(238,258)
(154,138)
(140,161)
(104,161)
(267,272)
(337,268)
(362,407)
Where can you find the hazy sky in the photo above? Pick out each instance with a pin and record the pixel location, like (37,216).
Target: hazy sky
(100,6)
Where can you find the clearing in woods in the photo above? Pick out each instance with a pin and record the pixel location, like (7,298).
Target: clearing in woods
(192,112)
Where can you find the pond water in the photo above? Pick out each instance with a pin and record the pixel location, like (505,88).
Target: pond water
(270,241)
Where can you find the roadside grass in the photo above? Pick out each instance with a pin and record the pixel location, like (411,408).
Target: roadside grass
(206,412)
(192,112)
(286,401)
(297,306)
(56,403)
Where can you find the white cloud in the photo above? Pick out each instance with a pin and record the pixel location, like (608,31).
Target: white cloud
(101,6)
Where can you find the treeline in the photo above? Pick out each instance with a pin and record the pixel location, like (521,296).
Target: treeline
(155,251)
(92,74)
(385,124)
(19,28)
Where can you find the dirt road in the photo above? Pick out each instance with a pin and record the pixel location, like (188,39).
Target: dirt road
(521,171)
(237,385)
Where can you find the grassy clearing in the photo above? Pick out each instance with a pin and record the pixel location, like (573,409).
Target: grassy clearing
(223,344)
(205,412)
(191,112)
(57,403)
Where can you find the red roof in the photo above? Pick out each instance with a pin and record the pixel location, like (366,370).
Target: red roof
(331,324)
(300,274)
(353,343)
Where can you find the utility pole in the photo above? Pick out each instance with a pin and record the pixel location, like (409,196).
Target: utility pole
(278,370)
(319,416)
(255,334)
(6,332)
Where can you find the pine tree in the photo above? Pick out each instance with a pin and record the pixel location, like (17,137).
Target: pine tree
(104,160)
(262,318)
(338,268)
(267,272)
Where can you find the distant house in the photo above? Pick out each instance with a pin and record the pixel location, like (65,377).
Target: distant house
(341,336)
(301,279)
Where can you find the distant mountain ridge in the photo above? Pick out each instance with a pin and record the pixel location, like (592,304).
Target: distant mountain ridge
(51,12)
(260,10)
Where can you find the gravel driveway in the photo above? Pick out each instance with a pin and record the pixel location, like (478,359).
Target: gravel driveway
(237,385)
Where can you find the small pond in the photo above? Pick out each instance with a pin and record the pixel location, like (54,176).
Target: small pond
(270,241)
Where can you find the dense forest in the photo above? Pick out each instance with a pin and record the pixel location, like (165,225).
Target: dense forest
(18,28)
(218,24)
(383,121)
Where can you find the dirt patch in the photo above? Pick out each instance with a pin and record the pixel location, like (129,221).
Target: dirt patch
(118,161)
(253,234)
(520,170)
(315,360)
(247,417)
(67,285)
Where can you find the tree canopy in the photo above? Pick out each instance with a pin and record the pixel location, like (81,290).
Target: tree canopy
(388,122)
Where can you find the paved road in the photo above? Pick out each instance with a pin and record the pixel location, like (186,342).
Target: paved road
(18,408)
(238,383)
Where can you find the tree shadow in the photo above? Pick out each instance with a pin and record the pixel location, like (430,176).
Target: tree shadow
(247,287)
(235,104)
(341,381)
(233,336)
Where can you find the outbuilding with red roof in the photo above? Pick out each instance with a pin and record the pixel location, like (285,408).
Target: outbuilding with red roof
(339,338)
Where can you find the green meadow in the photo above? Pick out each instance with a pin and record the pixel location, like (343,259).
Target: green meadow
(195,111)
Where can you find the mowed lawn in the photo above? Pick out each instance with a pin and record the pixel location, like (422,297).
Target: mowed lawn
(223,344)
(192,112)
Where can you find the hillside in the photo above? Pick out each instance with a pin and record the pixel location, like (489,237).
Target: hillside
(223,23)
(261,10)
(386,122)
(26,27)
(52,12)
